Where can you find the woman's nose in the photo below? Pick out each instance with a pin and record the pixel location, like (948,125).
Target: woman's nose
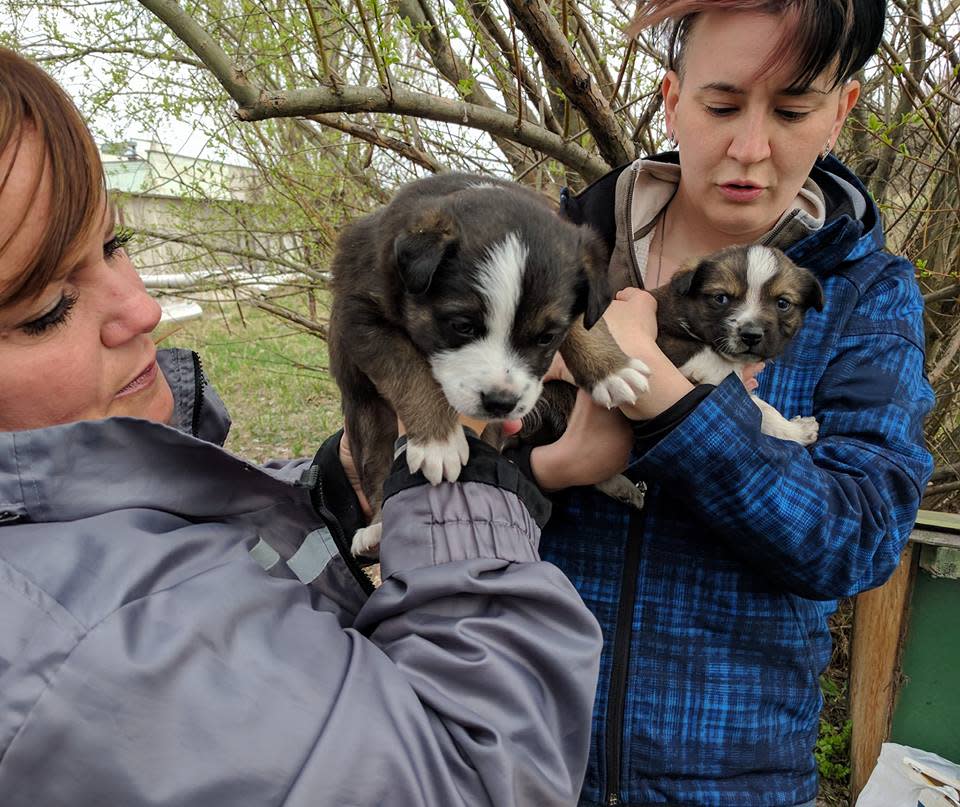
(751,140)
(128,310)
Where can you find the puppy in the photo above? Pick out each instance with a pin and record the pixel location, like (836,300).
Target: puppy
(736,307)
(455,298)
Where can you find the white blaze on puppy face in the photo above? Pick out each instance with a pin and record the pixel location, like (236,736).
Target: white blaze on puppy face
(762,265)
(489,365)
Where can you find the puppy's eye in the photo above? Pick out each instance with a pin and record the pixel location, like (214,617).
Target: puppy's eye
(547,338)
(721,299)
(784,304)
(464,327)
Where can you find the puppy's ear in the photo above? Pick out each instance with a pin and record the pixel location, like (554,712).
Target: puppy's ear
(813,296)
(419,250)
(689,280)
(593,292)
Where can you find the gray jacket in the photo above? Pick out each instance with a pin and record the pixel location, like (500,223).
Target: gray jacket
(147,658)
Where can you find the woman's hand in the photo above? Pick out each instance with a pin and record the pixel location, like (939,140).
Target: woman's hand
(594,447)
(632,319)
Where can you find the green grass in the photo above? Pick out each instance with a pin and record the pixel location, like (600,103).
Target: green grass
(271,375)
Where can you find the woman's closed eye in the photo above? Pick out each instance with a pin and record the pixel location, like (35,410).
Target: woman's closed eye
(788,115)
(720,111)
(119,241)
(53,318)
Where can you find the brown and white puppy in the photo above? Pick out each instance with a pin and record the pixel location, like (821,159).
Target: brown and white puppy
(736,307)
(455,298)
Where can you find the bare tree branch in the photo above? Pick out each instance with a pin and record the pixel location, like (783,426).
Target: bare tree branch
(537,22)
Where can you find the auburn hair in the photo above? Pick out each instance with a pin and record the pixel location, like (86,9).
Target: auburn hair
(818,35)
(32,102)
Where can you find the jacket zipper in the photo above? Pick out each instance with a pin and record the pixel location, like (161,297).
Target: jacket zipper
(770,237)
(617,691)
(320,505)
(200,381)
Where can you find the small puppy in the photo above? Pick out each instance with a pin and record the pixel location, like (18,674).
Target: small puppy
(736,307)
(455,298)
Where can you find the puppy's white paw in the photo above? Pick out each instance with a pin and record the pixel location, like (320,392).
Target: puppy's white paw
(366,539)
(439,460)
(805,430)
(624,386)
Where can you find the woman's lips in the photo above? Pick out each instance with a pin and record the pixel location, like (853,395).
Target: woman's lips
(736,192)
(145,379)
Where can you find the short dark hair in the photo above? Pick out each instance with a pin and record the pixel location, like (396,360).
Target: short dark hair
(31,100)
(837,35)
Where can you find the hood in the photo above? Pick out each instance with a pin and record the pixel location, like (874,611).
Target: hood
(56,472)
(834,219)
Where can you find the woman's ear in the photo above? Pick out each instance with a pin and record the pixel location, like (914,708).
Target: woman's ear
(670,90)
(849,93)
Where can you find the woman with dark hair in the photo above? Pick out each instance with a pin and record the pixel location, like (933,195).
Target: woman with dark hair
(178,626)
(714,598)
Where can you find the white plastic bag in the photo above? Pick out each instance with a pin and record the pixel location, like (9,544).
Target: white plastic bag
(909,777)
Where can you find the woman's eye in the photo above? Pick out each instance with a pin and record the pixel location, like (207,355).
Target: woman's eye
(784,305)
(53,318)
(792,115)
(121,238)
(721,299)
(721,111)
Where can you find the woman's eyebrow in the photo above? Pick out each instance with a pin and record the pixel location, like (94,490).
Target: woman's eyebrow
(732,89)
(722,86)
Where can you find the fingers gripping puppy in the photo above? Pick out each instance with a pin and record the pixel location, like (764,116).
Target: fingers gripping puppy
(455,298)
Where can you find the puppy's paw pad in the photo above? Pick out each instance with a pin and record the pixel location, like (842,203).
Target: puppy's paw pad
(366,540)
(439,460)
(805,430)
(623,386)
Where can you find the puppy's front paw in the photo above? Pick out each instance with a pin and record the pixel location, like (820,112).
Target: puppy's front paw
(805,430)
(439,460)
(366,540)
(623,386)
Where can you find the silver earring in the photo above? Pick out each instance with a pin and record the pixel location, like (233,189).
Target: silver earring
(672,137)
(826,150)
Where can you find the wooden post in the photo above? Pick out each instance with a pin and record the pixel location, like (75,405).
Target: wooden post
(879,622)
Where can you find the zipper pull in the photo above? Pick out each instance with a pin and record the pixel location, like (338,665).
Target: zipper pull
(613,799)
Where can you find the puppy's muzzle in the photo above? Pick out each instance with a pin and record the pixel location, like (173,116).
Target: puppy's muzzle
(751,335)
(498,403)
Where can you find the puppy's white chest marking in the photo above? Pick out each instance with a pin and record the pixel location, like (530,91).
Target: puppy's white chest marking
(709,367)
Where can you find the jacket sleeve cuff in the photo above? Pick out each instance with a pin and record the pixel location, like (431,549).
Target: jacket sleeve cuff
(492,511)
(726,420)
(647,433)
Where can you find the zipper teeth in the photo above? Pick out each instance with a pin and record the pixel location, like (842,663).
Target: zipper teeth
(771,236)
(616,694)
(320,503)
(200,381)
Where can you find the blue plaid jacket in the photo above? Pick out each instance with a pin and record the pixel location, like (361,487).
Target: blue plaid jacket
(714,600)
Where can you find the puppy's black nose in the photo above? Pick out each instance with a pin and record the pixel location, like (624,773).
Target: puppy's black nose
(751,336)
(498,403)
